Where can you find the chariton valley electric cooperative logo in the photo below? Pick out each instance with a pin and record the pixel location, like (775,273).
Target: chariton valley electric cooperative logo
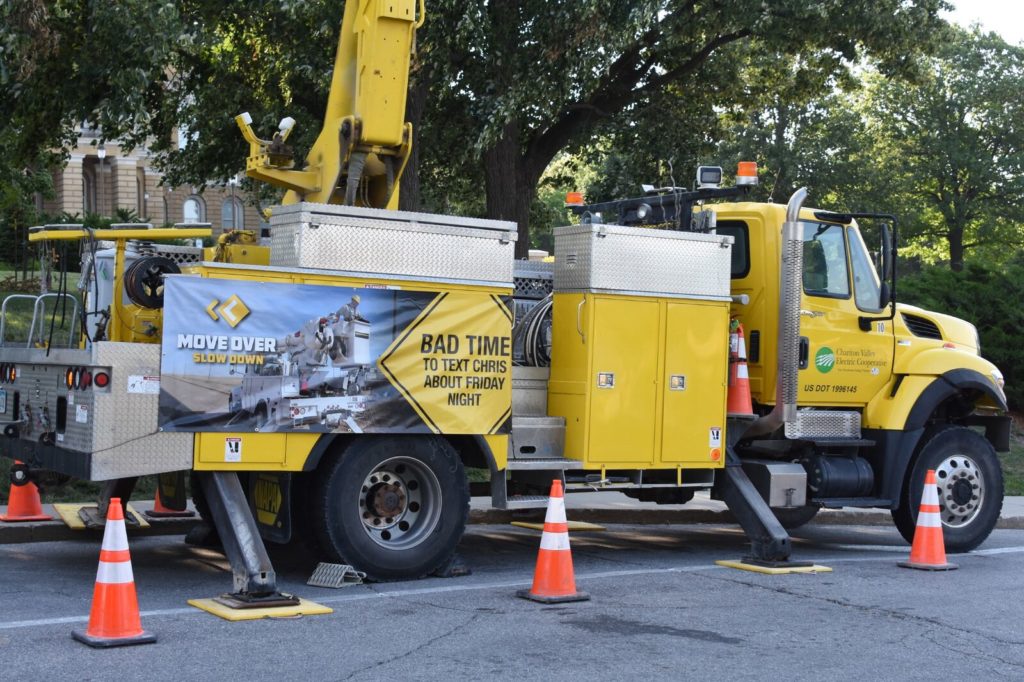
(825,360)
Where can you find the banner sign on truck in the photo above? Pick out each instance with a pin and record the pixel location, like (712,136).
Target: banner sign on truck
(240,356)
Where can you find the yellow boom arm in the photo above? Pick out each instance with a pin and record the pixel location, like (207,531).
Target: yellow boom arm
(365,142)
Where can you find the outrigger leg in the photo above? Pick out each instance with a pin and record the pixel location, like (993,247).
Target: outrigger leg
(255,582)
(769,541)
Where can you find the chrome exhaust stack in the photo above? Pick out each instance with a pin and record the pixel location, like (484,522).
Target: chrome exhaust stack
(788,344)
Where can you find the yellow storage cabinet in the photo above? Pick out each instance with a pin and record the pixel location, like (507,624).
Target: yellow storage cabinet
(696,367)
(641,381)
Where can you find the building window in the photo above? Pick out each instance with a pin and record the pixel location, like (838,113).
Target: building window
(193,210)
(232,215)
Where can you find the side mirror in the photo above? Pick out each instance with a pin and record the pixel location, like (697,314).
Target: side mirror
(884,295)
(886,254)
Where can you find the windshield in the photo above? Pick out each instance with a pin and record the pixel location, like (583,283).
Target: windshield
(866,290)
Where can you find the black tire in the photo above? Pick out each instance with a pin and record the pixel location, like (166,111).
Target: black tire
(970,483)
(394,507)
(791,519)
(199,498)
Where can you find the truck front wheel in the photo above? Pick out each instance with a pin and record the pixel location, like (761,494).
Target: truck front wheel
(394,507)
(970,483)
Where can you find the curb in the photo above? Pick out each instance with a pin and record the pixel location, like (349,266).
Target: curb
(53,531)
(639,517)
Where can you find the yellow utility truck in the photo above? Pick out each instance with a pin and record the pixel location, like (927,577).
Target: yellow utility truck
(337,384)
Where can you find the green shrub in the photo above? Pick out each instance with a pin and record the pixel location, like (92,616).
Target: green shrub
(989,296)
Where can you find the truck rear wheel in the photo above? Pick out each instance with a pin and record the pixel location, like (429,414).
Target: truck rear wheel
(970,482)
(394,507)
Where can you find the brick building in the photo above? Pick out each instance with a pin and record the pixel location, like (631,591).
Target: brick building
(102,179)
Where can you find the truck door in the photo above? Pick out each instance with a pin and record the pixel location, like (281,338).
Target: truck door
(840,363)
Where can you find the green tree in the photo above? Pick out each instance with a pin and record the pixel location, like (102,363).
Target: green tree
(957,142)
(536,78)
(501,87)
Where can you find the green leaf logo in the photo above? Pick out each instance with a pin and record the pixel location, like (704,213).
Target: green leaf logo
(825,360)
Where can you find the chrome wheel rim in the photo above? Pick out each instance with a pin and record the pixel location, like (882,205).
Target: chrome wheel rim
(961,490)
(400,503)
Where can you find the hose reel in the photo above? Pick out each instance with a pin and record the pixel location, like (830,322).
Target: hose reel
(144,280)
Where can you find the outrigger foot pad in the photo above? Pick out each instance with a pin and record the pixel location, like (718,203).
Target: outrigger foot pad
(243,600)
(763,563)
(92,518)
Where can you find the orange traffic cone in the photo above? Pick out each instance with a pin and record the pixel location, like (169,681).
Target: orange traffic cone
(739,379)
(928,552)
(553,580)
(23,504)
(114,619)
(161,511)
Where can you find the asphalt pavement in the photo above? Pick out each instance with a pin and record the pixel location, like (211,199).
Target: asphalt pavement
(596,507)
(660,608)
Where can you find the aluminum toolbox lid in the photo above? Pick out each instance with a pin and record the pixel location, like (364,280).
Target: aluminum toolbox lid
(406,220)
(642,261)
(648,232)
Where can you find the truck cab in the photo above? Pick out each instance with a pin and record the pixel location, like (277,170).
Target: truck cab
(907,389)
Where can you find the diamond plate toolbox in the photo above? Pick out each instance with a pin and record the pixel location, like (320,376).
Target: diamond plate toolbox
(617,259)
(95,433)
(396,243)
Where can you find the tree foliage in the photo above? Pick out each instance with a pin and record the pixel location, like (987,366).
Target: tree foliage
(987,295)
(505,87)
(537,78)
(958,137)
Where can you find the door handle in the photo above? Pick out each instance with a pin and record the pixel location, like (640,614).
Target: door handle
(579,322)
(805,351)
(811,313)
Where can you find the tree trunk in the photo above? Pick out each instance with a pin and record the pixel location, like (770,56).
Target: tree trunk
(409,198)
(956,248)
(509,191)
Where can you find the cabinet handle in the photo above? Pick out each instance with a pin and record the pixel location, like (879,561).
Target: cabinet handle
(579,323)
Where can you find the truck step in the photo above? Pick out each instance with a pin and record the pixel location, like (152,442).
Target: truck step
(538,437)
(527,502)
(840,442)
(838,502)
(812,424)
(542,464)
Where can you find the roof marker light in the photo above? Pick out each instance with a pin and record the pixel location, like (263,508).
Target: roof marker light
(746,173)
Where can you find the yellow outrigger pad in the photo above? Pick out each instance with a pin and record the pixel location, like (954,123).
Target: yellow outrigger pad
(303,608)
(782,570)
(573,525)
(68,513)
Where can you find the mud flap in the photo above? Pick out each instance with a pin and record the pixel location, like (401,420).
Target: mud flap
(271,505)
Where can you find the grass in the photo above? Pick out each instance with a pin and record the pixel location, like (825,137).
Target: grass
(19,314)
(1013,461)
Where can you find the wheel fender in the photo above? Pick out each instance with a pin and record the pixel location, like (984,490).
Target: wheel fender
(902,445)
(490,452)
(948,385)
